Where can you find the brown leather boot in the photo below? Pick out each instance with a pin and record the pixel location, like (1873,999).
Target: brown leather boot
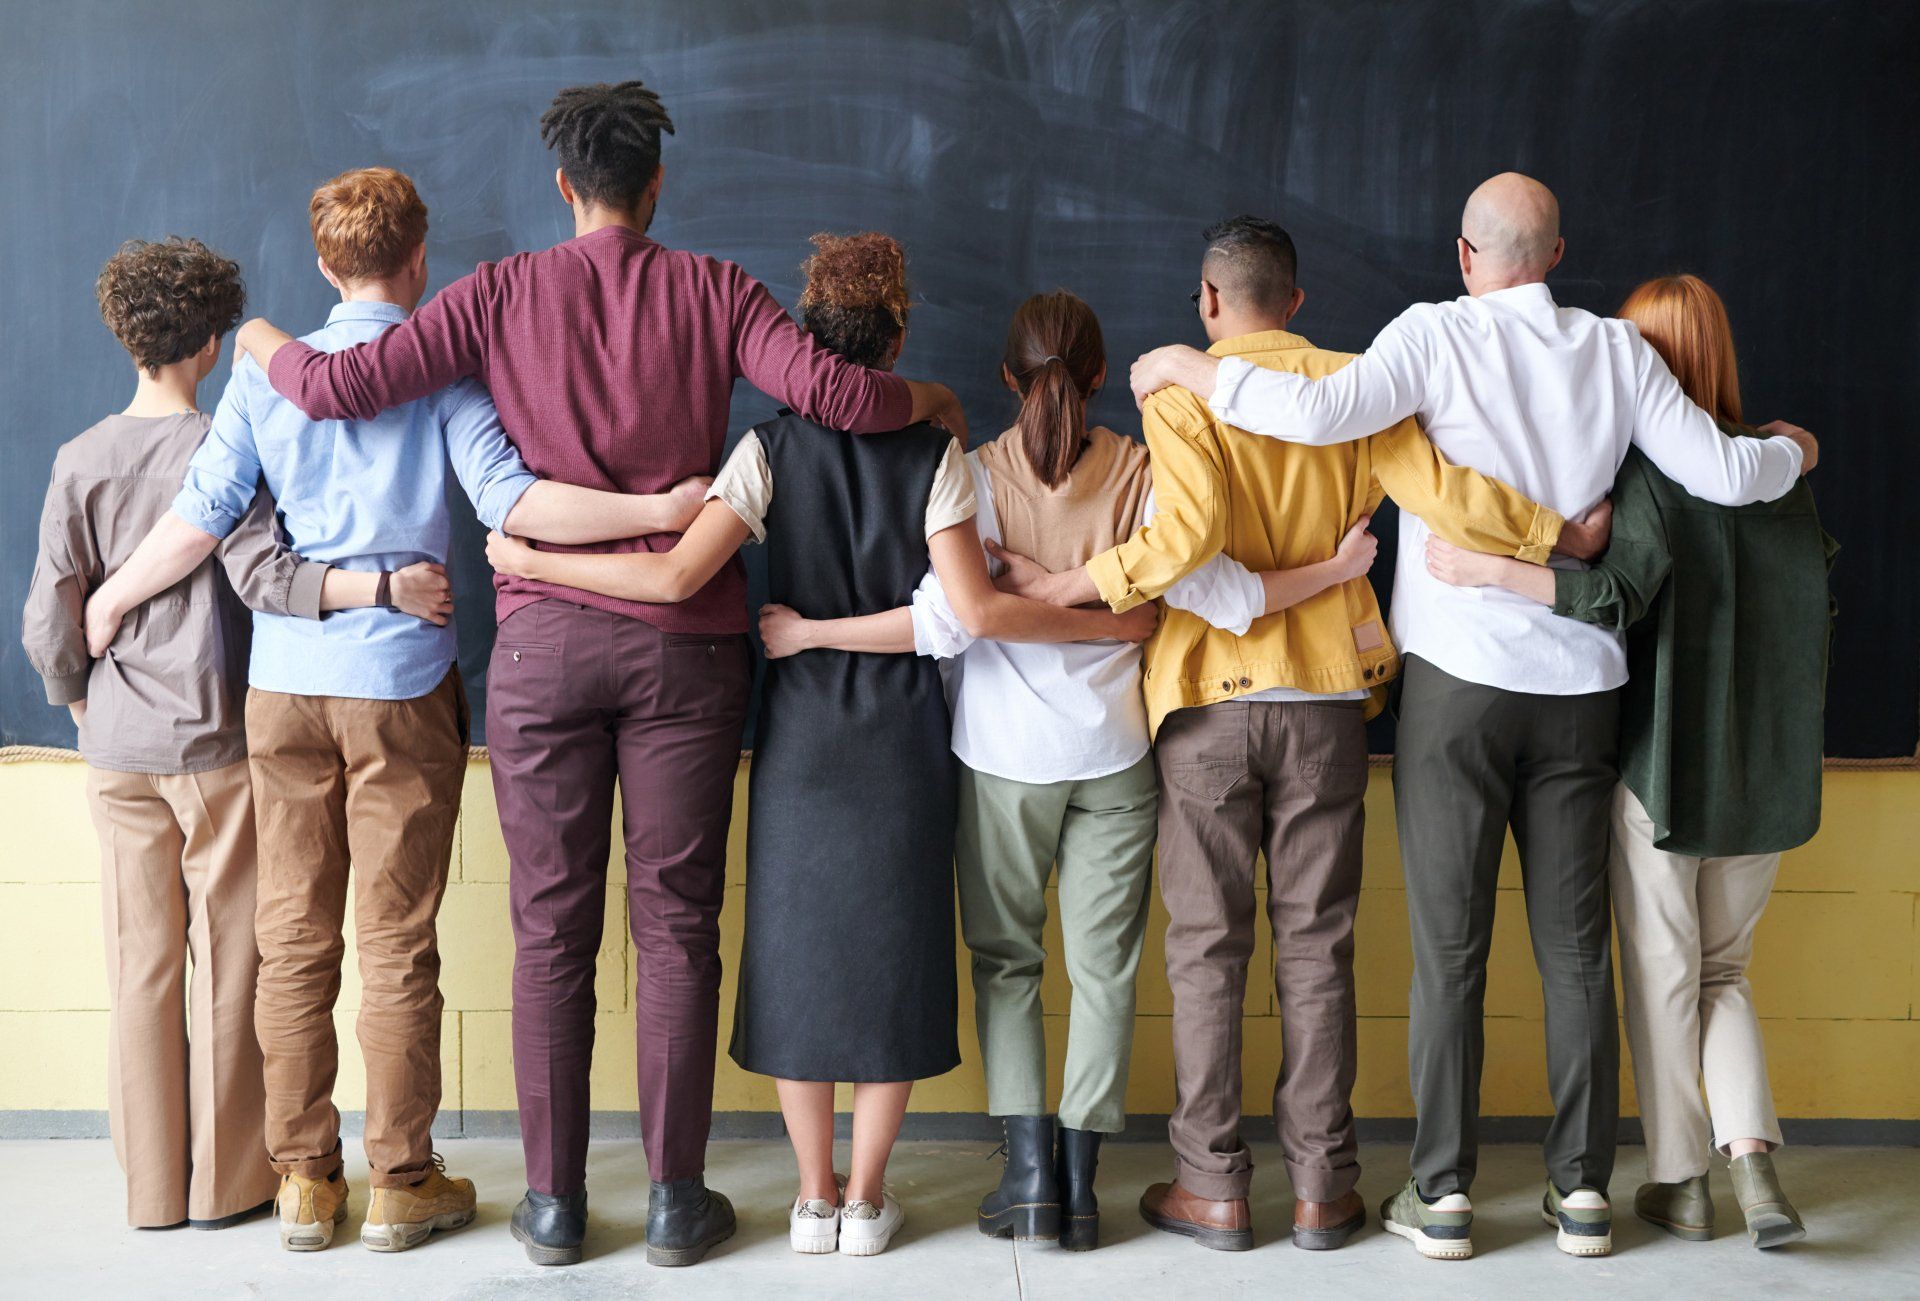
(1223,1226)
(1323,1226)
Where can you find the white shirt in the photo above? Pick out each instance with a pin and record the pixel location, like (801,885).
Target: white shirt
(1547,398)
(1070,711)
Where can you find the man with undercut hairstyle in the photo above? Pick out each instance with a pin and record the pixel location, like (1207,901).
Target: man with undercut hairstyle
(1507,714)
(612,359)
(1260,737)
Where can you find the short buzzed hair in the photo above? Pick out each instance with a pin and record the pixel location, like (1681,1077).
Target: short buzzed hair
(1251,261)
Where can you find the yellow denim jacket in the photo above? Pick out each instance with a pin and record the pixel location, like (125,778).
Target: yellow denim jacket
(1276,505)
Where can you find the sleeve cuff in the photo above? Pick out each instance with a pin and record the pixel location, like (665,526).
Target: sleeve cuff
(755,525)
(303,593)
(503,496)
(1572,593)
(1110,579)
(1542,537)
(1226,385)
(68,688)
(205,514)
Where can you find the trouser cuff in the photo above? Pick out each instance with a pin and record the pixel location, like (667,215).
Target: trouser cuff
(1232,1186)
(1317,1183)
(311,1167)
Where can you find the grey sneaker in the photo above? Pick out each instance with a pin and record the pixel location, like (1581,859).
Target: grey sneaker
(1583,1219)
(1439,1230)
(1684,1209)
(1771,1219)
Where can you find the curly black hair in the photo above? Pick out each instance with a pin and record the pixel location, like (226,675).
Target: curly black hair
(608,139)
(163,300)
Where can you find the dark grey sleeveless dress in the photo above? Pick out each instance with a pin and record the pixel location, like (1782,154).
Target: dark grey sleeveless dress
(847,968)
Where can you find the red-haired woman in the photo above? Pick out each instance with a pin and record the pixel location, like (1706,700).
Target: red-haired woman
(1727,616)
(846,972)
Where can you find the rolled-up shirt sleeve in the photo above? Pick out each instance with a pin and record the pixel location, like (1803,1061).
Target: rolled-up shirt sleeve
(1688,447)
(937,630)
(489,469)
(1384,385)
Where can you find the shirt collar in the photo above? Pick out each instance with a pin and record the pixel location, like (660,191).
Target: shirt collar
(367,310)
(1260,341)
(1522,296)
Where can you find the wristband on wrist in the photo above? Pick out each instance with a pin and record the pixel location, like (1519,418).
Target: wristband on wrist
(383,590)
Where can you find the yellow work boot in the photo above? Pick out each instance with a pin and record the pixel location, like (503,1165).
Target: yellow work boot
(399,1218)
(310,1209)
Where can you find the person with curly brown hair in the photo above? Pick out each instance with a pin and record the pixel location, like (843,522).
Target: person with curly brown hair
(846,969)
(159,720)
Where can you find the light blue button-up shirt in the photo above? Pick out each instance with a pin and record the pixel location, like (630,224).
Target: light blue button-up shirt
(357,494)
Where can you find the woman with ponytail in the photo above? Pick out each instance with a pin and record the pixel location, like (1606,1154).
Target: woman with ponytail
(846,969)
(1055,769)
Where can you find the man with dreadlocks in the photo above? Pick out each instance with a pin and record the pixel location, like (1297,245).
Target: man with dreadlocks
(611,359)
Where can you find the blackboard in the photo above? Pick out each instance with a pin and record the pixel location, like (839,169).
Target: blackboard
(1018,145)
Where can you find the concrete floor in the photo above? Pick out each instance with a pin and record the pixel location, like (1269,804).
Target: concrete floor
(64,1237)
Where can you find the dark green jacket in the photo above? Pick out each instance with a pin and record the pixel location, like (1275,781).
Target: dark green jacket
(1727,617)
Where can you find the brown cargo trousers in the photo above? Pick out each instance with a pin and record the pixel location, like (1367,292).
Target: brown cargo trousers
(375,785)
(1288,778)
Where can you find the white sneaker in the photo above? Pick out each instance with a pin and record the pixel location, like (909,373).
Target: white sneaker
(813,1226)
(866,1229)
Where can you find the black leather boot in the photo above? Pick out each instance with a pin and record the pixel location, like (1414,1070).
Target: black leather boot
(1026,1205)
(551,1227)
(685,1220)
(1079,1209)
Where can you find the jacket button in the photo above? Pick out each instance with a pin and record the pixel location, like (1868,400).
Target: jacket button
(1245,683)
(1226,686)
(516,657)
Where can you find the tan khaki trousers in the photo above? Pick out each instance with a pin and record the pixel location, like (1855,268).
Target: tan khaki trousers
(1686,933)
(184,1099)
(374,784)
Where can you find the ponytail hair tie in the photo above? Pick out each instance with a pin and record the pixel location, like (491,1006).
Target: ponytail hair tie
(1052,356)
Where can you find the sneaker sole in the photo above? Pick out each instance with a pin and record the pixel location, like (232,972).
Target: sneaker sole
(405,1237)
(1431,1248)
(869,1246)
(1578,1244)
(812,1244)
(1769,1229)
(679,1257)
(1684,1232)
(312,1237)
(540,1255)
(1027,1222)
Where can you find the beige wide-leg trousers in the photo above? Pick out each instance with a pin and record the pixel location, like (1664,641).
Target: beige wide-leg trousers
(1686,932)
(184,1095)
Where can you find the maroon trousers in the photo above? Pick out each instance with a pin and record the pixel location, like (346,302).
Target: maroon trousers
(577,699)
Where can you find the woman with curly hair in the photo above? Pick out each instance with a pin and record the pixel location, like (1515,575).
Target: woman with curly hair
(846,972)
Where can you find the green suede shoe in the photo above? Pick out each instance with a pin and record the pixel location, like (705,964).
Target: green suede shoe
(1439,1230)
(1684,1209)
(1771,1219)
(1583,1219)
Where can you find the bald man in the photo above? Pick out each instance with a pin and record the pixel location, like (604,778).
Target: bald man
(1507,714)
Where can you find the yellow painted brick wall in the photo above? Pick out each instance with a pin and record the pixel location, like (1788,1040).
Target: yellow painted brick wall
(1835,972)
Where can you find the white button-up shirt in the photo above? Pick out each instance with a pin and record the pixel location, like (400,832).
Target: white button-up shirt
(1547,398)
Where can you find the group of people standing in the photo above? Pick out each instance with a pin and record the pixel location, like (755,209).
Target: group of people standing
(1028,662)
